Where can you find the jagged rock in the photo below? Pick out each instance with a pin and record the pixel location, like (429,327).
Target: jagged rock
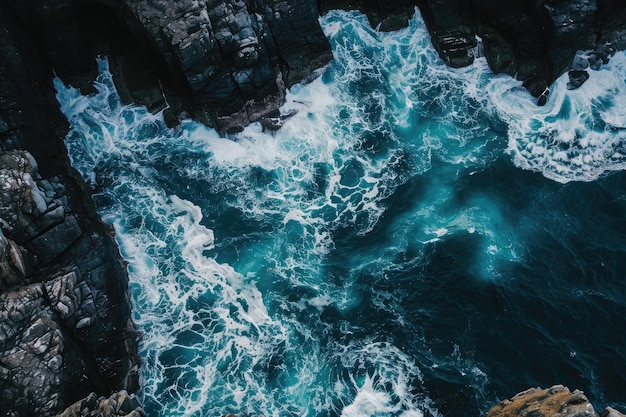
(65,326)
(535,42)
(32,354)
(576,78)
(225,63)
(557,401)
(12,266)
(118,404)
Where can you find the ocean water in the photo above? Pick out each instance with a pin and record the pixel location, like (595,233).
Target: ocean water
(416,241)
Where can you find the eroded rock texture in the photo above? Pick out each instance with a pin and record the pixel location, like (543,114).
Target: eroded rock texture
(116,405)
(557,401)
(64,307)
(236,56)
(224,63)
(534,41)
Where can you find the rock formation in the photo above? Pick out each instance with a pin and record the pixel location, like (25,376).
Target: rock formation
(535,42)
(224,63)
(557,401)
(65,325)
(117,405)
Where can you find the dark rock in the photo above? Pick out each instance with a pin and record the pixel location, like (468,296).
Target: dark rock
(576,78)
(385,16)
(117,405)
(226,64)
(275,121)
(65,326)
(580,62)
(535,42)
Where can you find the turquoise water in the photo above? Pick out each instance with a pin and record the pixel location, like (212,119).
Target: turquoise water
(416,241)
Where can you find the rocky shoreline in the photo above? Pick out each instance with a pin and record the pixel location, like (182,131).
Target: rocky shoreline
(66,335)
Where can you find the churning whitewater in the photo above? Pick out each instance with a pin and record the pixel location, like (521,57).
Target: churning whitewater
(400,247)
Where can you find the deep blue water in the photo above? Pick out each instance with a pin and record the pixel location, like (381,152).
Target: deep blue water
(416,241)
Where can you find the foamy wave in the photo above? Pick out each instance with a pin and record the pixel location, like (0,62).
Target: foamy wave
(578,135)
(380,380)
(248,335)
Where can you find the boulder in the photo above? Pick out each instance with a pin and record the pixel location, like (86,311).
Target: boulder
(557,401)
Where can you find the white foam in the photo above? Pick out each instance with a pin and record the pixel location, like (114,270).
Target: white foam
(318,176)
(577,135)
(383,378)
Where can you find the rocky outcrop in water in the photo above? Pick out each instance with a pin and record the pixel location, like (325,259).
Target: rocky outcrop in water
(236,57)
(557,401)
(65,326)
(224,63)
(535,42)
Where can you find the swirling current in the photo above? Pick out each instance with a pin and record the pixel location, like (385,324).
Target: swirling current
(416,241)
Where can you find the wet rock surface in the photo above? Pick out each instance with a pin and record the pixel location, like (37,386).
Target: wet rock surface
(224,63)
(65,326)
(118,404)
(533,41)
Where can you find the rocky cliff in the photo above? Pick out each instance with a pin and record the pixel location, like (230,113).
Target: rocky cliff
(224,63)
(65,331)
(64,308)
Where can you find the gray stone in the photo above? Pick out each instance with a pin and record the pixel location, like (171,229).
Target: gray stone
(611,412)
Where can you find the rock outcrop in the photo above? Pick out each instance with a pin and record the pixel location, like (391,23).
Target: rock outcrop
(65,326)
(557,401)
(535,42)
(224,63)
(235,57)
(117,405)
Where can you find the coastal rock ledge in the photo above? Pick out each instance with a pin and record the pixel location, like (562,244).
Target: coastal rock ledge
(556,401)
